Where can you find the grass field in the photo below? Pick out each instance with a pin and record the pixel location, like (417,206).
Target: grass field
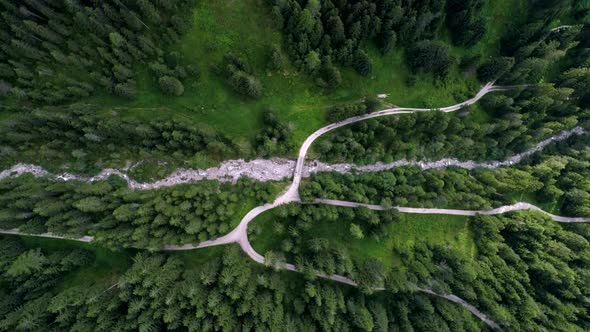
(549,206)
(443,230)
(246,29)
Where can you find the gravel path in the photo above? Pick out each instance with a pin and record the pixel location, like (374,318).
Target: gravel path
(15,231)
(503,209)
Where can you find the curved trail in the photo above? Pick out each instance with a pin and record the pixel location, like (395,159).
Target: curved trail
(239,234)
(277,169)
(503,209)
(561,27)
(293,194)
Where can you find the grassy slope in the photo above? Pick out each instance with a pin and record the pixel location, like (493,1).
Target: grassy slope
(245,28)
(434,229)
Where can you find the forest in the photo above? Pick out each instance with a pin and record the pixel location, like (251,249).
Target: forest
(160,292)
(107,47)
(121,217)
(520,120)
(320,33)
(89,141)
(57,51)
(150,86)
(556,178)
(86,141)
(529,274)
(509,123)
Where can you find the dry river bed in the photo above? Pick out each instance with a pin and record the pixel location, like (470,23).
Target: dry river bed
(278,168)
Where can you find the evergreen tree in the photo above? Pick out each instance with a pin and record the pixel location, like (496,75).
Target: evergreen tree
(171,86)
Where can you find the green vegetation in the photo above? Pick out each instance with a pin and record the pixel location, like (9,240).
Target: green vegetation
(85,141)
(228,291)
(500,16)
(554,179)
(245,29)
(58,51)
(119,216)
(217,30)
(532,258)
(86,85)
(531,54)
(220,28)
(518,120)
(431,57)
(106,266)
(436,230)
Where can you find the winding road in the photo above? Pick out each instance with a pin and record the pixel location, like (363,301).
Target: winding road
(240,235)
(292,193)
(503,209)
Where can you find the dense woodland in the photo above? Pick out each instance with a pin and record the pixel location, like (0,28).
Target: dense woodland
(55,51)
(121,217)
(529,274)
(520,118)
(557,177)
(159,292)
(275,138)
(320,33)
(88,140)
(295,229)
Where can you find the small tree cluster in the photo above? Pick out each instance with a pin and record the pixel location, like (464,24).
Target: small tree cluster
(240,76)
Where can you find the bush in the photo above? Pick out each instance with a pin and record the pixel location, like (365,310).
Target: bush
(430,56)
(329,76)
(171,86)
(240,77)
(469,63)
(362,63)
(126,89)
(246,84)
(493,69)
(276,59)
